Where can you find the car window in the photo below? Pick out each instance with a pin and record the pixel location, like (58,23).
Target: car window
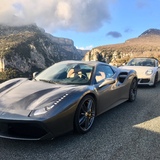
(142,62)
(103,72)
(66,73)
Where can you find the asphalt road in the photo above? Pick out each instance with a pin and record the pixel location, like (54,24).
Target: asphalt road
(131,131)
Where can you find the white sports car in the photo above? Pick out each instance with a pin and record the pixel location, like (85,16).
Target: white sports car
(147,68)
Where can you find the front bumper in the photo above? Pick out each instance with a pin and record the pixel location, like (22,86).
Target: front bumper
(24,130)
(22,127)
(148,80)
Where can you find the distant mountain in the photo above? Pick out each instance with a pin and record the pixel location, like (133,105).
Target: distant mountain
(150,32)
(145,45)
(29,48)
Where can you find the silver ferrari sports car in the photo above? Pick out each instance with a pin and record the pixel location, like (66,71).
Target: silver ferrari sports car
(147,68)
(64,97)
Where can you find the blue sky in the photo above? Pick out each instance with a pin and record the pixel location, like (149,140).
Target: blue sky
(128,20)
(88,23)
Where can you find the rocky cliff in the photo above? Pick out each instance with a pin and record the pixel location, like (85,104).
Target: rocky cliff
(30,48)
(145,45)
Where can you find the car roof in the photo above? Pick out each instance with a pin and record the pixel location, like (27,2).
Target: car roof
(91,63)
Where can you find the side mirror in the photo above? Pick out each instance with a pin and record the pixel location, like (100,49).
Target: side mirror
(34,75)
(107,81)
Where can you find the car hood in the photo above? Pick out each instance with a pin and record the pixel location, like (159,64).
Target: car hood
(139,69)
(23,94)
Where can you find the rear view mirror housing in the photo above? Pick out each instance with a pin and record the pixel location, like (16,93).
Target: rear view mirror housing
(34,75)
(107,81)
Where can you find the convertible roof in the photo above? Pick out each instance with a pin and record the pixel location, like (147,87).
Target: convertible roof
(147,57)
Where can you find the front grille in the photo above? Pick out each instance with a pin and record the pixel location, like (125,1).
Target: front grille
(22,130)
(144,80)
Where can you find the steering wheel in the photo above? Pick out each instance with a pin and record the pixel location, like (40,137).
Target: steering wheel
(81,75)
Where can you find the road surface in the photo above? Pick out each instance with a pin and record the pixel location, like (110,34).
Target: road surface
(130,131)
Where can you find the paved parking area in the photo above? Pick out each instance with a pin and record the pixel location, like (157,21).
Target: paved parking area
(130,131)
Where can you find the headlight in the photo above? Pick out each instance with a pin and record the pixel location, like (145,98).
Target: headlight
(47,108)
(149,71)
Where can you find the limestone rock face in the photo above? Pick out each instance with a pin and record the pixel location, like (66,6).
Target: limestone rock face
(30,48)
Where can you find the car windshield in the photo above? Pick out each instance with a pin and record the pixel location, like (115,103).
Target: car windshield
(66,73)
(142,62)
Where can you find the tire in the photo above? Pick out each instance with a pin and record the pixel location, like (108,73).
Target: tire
(133,90)
(155,80)
(85,114)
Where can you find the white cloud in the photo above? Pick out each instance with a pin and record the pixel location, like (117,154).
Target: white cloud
(85,48)
(77,15)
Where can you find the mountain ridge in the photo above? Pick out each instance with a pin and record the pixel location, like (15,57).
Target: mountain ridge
(151,31)
(145,45)
(27,47)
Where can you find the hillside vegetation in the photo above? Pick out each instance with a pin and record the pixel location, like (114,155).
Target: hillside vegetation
(26,49)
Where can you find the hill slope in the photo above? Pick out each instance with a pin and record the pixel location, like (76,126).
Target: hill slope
(147,44)
(30,48)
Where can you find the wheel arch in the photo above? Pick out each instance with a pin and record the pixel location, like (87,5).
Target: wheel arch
(135,78)
(155,79)
(157,74)
(95,98)
(81,99)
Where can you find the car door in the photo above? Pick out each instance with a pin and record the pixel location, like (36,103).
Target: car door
(107,94)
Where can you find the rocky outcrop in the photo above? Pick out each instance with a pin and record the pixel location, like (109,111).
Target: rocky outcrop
(30,48)
(2,65)
(146,45)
